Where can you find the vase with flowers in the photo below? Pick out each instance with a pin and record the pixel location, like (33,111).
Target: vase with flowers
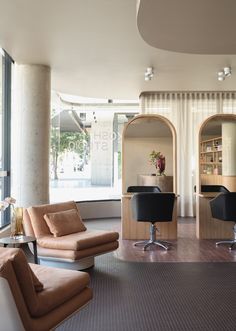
(16,218)
(159,161)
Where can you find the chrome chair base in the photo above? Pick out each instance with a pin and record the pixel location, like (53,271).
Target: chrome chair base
(231,242)
(152,241)
(148,243)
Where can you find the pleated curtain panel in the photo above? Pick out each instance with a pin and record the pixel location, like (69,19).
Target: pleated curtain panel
(187,111)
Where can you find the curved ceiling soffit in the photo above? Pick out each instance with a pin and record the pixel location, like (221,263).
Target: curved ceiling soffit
(195,27)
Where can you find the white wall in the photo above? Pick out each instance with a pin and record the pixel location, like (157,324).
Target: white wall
(136,157)
(100,209)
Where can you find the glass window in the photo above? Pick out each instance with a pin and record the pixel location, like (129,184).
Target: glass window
(5,110)
(85,161)
(1,87)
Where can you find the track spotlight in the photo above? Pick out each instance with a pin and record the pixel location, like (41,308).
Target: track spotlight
(149,73)
(221,76)
(225,72)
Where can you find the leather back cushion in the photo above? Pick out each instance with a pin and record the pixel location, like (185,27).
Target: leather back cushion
(64,222)
(37,213)
(38,286)
(27,280)
(28,229)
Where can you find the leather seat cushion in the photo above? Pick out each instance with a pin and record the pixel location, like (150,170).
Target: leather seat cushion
(78,241)
(71,255)
(59,285)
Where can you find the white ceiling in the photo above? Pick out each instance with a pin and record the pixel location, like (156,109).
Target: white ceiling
(95,50)
(198,27)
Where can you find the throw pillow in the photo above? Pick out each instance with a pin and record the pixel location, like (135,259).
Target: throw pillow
(64,222)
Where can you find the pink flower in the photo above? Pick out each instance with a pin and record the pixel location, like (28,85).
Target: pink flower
(10,200)
(6,203)
(3,205)
(161,164)
(159,161)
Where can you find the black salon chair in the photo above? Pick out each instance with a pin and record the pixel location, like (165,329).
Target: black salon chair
(153,207)
(223,207)
(135,189)
(212,188)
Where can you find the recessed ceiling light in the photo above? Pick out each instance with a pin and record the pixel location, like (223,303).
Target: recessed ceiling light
(2,52)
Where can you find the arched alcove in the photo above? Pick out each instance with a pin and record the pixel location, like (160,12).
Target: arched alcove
(142,135)
(216,166)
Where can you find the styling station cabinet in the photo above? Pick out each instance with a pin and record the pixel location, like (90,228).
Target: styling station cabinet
(142,135)
(216,166)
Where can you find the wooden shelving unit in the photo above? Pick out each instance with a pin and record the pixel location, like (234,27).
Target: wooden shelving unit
(211,156)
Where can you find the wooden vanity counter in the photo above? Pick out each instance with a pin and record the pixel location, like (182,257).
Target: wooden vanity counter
(206,226)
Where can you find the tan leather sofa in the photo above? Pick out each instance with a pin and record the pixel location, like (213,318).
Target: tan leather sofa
(38,298)
(74,250)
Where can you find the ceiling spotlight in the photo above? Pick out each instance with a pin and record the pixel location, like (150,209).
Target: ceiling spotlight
(149,73)
(221,75)
(225,72)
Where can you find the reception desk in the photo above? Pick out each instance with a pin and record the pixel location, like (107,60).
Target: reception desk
(132,229)
(165,183)
(208,227)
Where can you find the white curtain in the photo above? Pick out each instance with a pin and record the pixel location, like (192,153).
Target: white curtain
(187,111)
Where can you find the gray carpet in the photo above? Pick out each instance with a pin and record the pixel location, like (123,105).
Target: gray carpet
(130,296)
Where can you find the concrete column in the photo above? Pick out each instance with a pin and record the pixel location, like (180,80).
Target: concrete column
(229,149)
(30,135)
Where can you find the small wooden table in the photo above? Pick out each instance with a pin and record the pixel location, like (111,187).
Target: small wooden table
(21,240)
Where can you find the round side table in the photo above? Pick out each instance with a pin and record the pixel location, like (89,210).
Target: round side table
(21,240)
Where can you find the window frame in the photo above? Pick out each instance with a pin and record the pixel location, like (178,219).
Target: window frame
(6,132)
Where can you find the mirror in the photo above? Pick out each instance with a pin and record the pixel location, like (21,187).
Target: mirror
(217,151)
(142,135)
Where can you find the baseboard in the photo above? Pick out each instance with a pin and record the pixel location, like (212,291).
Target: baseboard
(60,263)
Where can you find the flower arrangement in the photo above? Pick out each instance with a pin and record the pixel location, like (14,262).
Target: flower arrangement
(17,217)
(9,201)
(159,161)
